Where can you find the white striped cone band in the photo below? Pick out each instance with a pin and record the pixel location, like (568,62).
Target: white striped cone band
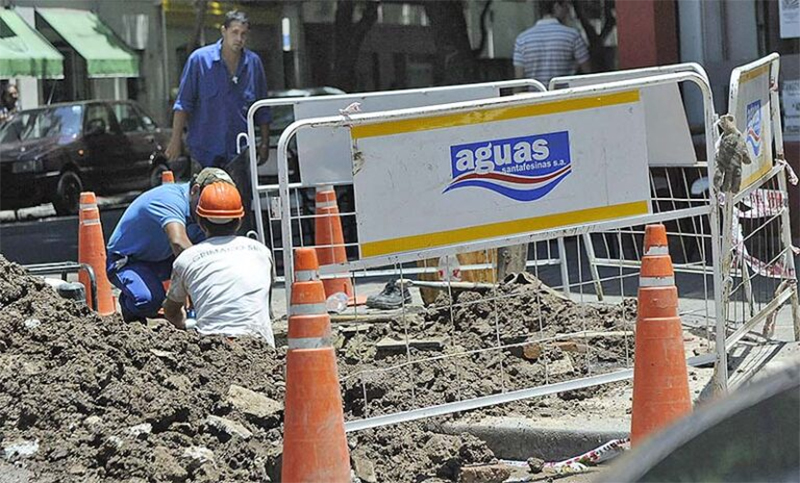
(326,204)
(309,342)
(656,281)
(88,206)
(657,251)
(93,221)
(308,309)
(306,275)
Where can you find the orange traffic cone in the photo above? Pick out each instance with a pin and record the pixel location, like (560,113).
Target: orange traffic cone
(167,177)
(314,445)
(660,380)
(329,239)
(92,251)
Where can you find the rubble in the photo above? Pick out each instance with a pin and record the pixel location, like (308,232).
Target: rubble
(111,401)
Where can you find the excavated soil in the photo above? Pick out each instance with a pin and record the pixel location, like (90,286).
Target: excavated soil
(87,398)
(544,338)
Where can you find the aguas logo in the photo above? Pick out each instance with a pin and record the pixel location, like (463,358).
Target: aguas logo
(754,127)
(522,168)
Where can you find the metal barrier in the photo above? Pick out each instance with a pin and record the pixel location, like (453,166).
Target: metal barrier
(498,341)
(758,270)
(63,268)
(302,193)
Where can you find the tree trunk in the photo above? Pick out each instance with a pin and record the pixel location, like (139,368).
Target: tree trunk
(456,61)
(200,7)
(347,40)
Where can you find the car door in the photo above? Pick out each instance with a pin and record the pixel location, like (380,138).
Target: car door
(142,142)
(107,159)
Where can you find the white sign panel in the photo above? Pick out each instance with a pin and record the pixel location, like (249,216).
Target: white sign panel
(791,110)
(789,11)
(669,142)
(751,101)
(452,179)
(324,153)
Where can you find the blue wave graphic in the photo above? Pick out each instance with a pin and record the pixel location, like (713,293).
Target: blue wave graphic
(516,194)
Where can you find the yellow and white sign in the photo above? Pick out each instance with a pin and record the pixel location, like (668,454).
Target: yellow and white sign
(455,178)
(750,104)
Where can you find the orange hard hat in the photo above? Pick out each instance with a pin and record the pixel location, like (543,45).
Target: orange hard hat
(220,203)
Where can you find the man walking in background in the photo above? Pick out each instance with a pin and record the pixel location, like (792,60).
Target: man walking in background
(550,48)
(218,85)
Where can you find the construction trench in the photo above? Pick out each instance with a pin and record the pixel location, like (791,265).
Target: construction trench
(90,398)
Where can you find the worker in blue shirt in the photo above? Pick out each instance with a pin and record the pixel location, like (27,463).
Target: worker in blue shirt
(154,229)
(218,85)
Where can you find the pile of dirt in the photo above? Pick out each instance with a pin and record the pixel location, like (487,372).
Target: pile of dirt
(88,398)
(546,338)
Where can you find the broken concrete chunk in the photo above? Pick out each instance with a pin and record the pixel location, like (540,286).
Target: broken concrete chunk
(198,455)
(93,423)
(561,366)
(536,465)
(20,448)
(484,474)
(231,428)
(364,469)
(140,430)
(252,403)
(32,323)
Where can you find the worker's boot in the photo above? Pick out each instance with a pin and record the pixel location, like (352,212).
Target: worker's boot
(391,297)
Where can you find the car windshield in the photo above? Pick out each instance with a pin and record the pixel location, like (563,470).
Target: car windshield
(62,121)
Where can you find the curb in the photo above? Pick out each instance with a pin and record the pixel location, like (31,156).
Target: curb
(519,438)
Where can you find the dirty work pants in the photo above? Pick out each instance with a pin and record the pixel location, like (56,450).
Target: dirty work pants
(141,286)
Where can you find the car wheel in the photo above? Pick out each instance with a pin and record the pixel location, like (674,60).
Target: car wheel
(68,193)
(155,174)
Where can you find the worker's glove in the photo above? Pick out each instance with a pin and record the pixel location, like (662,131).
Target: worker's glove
(731,154)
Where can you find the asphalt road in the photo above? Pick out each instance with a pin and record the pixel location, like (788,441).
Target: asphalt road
(50,239)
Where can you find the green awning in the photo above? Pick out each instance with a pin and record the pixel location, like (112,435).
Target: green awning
(24,52)
(106,55)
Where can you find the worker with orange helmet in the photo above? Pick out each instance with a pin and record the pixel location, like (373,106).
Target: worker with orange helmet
(227,277)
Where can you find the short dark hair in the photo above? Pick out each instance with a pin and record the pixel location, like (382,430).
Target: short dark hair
(214,229)
(548,6)
(236,16)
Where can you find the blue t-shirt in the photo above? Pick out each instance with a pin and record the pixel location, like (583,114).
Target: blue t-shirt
(217,102)
(140,232)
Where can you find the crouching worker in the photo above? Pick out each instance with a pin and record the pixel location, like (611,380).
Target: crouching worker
(154,229)
(227,277)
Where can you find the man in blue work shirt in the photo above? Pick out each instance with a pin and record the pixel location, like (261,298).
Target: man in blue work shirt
(154,229)
(218,85)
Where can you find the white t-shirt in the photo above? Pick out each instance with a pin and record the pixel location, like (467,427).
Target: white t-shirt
(228,279)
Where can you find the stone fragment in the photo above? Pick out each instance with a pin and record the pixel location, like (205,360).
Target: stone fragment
(561,366)
(364,469)
(20,448)
(228,427)
(140,430)
(572,346)
(76,469)
(495,473)
(531,351)
(32,323)
(93,423)
(198,455)
(536,465)
(252,403)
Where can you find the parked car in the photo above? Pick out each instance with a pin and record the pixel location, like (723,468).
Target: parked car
(52,153)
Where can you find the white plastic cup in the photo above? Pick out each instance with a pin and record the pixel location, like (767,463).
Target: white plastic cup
(336,303)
